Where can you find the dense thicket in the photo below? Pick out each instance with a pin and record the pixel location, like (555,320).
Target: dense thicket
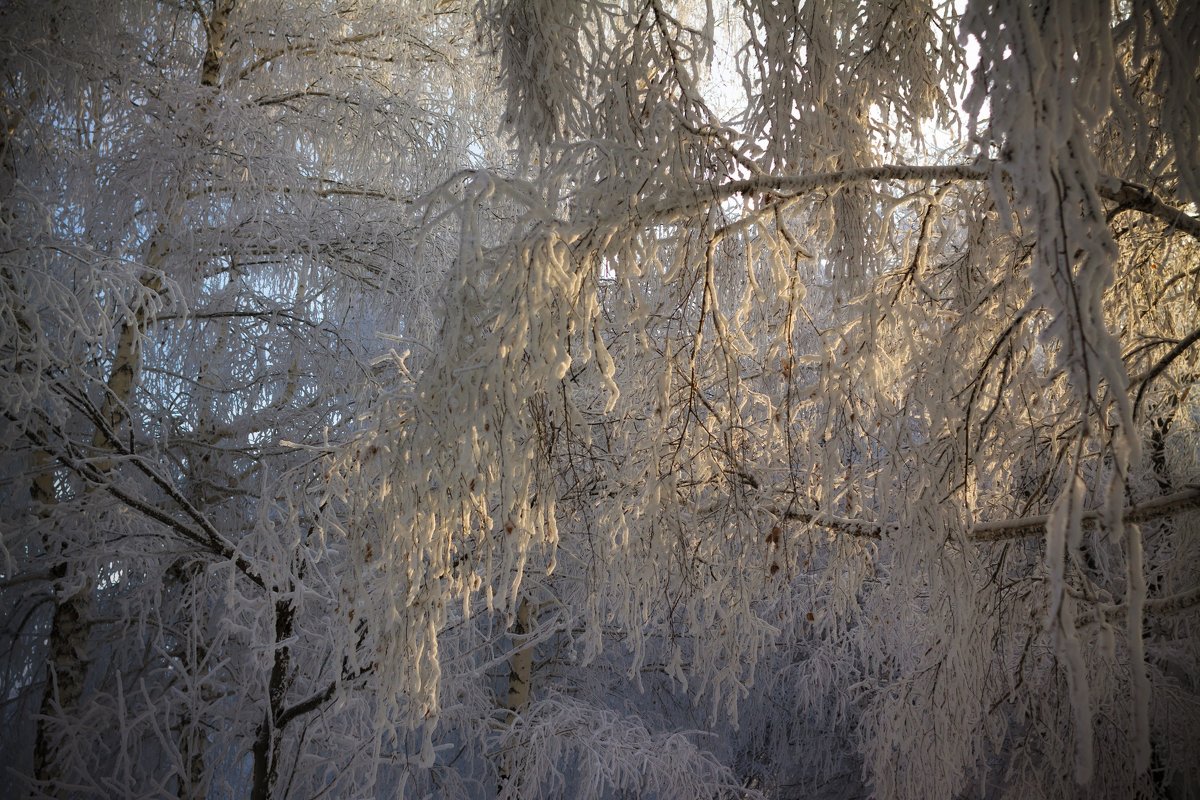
(550,398)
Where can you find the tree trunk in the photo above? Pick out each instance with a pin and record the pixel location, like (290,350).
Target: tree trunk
(265,752)
(520,677)
(67,667)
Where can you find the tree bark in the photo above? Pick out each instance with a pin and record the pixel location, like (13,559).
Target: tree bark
(265,751)
(520,677)
(68,649)
(66,667)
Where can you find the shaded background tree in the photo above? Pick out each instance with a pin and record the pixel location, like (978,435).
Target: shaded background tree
(790,452)
(207,218)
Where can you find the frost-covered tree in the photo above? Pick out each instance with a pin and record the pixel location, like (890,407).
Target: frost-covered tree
(207,217)
(803,409)
(802,406)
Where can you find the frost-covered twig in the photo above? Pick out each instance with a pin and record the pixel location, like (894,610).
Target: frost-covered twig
(849,527)
(1161,365)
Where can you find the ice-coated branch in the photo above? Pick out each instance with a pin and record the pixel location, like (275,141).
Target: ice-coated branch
(1115,613)
(1128,195)
(796,184)
(1165,506)
(1172,604)
(1132,197)
(1000,530)
(849,527)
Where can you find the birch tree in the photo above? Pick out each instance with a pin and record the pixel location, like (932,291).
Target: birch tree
(799,391)
(786,400)
(206,219)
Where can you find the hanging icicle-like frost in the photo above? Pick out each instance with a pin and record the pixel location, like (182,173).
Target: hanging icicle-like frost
(1178,43)
(542,65)
(631,383)
(467,496)
(1045,70)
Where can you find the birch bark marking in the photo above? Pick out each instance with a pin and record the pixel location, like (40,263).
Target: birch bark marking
(191,737)
(68,635)
(66,661)
(520,675)
(521,663)
(67,658)
(216,26)
(68,650)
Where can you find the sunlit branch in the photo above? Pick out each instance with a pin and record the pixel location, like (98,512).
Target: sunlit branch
(841,525)
(1127,195)
(1131,197)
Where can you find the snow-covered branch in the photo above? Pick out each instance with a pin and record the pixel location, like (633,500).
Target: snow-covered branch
(1157,508)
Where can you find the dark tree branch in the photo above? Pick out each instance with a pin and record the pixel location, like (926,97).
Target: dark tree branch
(208,538)
(1000,530)
(1162,364)
(1165,506)
(315,701)
(1132,197)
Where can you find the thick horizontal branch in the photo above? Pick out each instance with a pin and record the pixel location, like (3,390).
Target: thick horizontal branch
(1002,530)
(1173,604)
(999,530)
(849,527)
(701,197)
(1113,613)
(1125,194)
(795,184)
(1165,506)
(1138,198)
(323,190)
